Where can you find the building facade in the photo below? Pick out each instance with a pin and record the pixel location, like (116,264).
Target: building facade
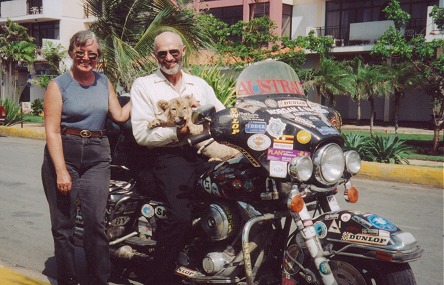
(354,25)
(46,20)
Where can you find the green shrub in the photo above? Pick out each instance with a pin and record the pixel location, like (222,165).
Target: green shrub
(384,149)
(389,150)
(359,143)
(224,86)
(37,106)
(13,114)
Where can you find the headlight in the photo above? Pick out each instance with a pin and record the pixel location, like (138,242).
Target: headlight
(352,161)
(300,168)
(329,163)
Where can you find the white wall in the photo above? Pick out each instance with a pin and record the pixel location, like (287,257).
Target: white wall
(11,9)
(307,13)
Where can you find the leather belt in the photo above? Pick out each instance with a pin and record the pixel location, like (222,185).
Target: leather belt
(84,133)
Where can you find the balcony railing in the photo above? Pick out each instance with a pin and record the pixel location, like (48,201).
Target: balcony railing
(35,10)
(341,34)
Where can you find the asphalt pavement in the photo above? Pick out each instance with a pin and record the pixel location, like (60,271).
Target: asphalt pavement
(418,172)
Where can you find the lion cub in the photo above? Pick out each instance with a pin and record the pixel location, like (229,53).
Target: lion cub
(177,112)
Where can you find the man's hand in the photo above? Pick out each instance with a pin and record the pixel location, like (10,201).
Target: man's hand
(183,131)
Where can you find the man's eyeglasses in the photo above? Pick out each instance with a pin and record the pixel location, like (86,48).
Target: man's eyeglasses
(91,55)
(162,54)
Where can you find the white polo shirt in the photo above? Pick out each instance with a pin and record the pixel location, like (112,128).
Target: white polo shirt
(147,90)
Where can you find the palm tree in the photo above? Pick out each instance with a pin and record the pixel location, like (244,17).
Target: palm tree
(329,79)
(401,76)
(127,29)
(16,47)
(368,81)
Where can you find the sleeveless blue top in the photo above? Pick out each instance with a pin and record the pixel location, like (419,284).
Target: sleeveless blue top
(84,107)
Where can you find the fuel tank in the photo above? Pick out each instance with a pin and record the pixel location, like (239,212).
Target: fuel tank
(235,179)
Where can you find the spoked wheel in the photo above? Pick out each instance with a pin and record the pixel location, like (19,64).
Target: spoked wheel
(346,274)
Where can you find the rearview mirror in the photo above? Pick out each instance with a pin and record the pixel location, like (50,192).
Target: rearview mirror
(202,114)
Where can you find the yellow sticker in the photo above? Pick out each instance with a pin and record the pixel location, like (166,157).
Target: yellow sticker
(303,136)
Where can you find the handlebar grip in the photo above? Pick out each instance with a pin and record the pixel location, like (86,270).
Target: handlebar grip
(199,138)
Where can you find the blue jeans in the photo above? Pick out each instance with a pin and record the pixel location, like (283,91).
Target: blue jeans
(88,162)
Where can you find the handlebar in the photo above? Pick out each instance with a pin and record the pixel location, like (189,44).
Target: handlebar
(199,138)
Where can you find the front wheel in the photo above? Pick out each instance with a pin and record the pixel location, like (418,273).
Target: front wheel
(366,272)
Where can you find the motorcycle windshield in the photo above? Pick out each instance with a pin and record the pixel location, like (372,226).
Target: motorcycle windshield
(272,120)
(268,77)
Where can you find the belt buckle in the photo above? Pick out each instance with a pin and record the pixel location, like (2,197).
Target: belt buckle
(85,133)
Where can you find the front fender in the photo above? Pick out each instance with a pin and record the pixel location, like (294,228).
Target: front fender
(367,235)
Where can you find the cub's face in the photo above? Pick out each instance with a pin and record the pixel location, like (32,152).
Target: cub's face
(177,110)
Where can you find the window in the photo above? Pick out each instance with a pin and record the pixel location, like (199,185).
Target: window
(340,13)
(287,13)
(229,15)
(44,30)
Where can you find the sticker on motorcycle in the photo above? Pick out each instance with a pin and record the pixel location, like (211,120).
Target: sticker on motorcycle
(321,229)
(255,127)
(324,268)
(147,210)
(333,203)
(206,184)
(120,221)
(345,217)
(368,239)
(271,103)
(160,212)
(362,222)
(144,227)
(185,271)
(259,142)
(334,227)
(284,142)
(278,169)
(275,127)
(303,136)
(291,103)
(331,217)
(381,223)
(286,155)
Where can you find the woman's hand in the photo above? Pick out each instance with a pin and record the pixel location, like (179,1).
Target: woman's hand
(64,182)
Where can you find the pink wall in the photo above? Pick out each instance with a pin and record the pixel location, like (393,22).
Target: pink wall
(275,9)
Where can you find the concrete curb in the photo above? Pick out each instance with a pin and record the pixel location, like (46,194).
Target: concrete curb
(422,175)
(23,132)
(403,173)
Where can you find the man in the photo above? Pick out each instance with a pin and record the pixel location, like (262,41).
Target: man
(173,163)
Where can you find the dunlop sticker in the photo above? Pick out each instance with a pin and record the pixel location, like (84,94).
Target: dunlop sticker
(362,238)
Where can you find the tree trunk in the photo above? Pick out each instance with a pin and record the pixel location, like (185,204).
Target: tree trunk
(358,112)
(436,130)
(396,111)
(372,113)
(438,121)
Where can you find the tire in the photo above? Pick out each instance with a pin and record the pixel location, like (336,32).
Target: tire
(371,272)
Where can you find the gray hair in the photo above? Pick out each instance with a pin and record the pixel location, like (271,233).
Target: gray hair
(82,38)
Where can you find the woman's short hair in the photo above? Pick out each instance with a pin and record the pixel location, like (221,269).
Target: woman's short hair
(82,38)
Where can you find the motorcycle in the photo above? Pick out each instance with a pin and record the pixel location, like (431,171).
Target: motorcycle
(270,216)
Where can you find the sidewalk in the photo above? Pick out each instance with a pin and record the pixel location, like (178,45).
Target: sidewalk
(13,275)
(418,172)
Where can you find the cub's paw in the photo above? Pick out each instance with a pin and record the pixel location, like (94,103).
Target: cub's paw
(154,124)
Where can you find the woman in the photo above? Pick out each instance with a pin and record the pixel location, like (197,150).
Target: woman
(77,158)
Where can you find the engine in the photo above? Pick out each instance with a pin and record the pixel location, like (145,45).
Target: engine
(220,221)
